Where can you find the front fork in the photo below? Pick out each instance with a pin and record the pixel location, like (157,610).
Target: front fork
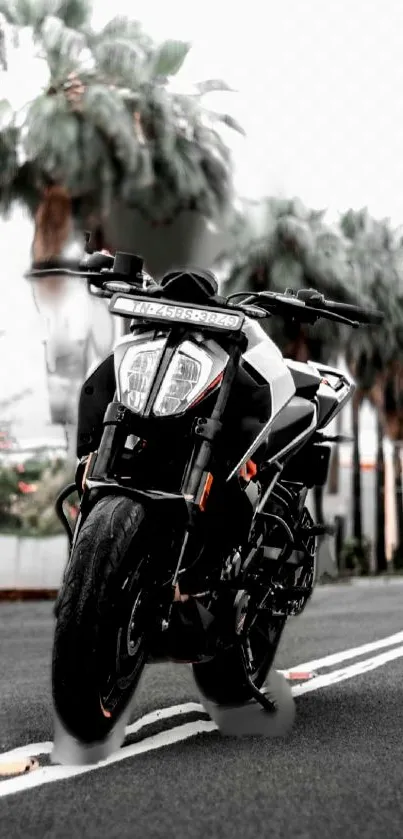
(198,479)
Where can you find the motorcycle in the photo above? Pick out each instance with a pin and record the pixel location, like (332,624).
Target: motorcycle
(198,443)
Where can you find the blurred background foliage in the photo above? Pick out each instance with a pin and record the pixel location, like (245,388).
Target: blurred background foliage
(109,126)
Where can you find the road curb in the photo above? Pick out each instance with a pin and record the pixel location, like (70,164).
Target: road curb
(15,595)
(18,594)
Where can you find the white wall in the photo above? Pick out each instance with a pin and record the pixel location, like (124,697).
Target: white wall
(32,563)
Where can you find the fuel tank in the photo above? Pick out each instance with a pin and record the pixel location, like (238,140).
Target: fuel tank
(263,387)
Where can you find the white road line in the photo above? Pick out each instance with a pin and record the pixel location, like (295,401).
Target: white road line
(163,714)
(50,774)
(345,655)
(31,750)
(349,672)
(171,711)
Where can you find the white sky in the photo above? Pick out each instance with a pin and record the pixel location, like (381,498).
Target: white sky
(321,90)
(320,95)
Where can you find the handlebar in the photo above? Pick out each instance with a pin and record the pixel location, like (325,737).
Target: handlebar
(124,273)
(364,316)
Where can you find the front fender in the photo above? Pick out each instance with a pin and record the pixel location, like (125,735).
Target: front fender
(169,508)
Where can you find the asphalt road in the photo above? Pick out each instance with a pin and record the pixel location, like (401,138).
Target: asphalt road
(339,773)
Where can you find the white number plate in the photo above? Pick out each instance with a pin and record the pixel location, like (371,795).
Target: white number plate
(137,307)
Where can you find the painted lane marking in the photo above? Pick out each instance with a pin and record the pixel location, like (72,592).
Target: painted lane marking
(148,719)
(50,774)
(357,669)
(346,655)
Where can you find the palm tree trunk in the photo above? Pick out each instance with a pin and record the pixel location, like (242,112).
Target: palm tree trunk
(334,472)
(70,433)
(356,478)
(318,493)
(397,470)
(380,553)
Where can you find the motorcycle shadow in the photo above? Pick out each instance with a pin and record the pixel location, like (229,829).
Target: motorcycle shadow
(69,751)
(250,719)
(246,720)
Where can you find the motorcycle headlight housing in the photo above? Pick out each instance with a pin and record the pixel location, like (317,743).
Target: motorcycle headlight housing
(185,379)
(137,371)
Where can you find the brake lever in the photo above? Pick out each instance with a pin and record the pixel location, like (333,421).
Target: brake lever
(252,311)
(323,313)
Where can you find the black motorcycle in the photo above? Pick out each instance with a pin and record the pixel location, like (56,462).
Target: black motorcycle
(198,443)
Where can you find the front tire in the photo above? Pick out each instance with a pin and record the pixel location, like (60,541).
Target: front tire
(100,648)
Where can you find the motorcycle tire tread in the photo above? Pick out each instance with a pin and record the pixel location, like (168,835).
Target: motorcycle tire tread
(84,602)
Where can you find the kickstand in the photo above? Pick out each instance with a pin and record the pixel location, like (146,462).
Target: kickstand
(267,704)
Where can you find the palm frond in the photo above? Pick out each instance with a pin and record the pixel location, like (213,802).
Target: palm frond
(62,47)
(120,61)
(228,120)
(213,86)
(168,59)
(32,13)
(122,27)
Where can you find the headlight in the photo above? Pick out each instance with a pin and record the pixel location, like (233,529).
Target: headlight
(137,371)
(185,379)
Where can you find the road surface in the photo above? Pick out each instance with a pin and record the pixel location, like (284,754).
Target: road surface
(339,773)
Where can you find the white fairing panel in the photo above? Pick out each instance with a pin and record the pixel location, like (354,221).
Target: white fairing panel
(265,357)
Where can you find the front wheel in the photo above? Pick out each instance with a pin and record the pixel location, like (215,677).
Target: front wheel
(100,645)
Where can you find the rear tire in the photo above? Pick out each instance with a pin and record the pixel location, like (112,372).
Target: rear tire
(222,680)
(99,648)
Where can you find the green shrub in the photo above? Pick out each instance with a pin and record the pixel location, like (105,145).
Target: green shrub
(397,558)
(31,513)
(355,558)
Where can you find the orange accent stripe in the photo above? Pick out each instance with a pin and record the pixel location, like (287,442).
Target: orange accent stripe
(251,468)
(206,491)
(211,387)
(106,713)
(248,471)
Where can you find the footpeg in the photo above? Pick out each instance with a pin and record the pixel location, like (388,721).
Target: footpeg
(319,530)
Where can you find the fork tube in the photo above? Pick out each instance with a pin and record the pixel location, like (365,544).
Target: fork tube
(200,467)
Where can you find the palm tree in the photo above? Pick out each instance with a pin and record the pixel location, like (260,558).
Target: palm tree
(374,355)
(107,145)
(107,128)
(394,424)
(295,248)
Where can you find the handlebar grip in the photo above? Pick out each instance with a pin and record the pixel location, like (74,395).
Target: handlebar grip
(367,316)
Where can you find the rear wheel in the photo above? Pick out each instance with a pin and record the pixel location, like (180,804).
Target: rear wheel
(222,680)
(100,648)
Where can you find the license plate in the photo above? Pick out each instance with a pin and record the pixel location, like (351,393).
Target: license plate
(137,307)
